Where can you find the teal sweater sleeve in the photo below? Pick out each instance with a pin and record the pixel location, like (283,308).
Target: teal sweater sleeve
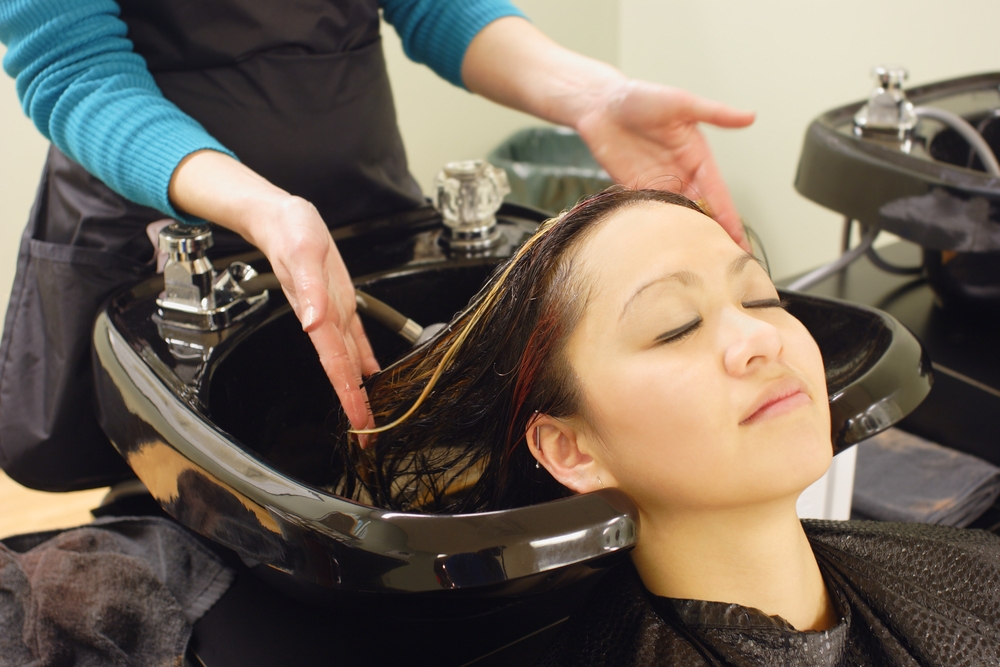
(438,32)
(89,93)
(86,90)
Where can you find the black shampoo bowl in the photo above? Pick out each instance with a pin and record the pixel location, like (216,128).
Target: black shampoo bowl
(229,431)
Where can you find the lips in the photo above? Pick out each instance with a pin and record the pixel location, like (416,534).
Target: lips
(779,398)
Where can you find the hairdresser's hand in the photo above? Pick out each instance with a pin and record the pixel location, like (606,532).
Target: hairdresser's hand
(642,132)
(312,274)
(303,256)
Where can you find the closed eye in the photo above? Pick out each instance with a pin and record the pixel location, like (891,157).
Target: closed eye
(766,303)
(680,333)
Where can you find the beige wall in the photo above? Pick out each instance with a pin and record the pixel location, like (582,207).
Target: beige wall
(22,152)
(791,60)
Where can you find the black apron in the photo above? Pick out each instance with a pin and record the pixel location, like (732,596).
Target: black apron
(297,89)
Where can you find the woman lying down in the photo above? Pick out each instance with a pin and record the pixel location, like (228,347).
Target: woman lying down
(631,344)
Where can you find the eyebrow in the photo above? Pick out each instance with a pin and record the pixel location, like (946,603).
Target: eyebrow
(690,279)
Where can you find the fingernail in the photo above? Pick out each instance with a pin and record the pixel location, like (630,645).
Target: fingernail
(308,317)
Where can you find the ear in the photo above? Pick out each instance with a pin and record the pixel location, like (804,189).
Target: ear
(569,452)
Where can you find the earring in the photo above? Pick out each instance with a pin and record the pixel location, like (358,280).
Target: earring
(600,482)
(538,444)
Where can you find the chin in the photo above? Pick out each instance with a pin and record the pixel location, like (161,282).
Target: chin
(803,450)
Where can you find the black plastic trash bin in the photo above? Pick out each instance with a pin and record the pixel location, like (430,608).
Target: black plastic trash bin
(549,168)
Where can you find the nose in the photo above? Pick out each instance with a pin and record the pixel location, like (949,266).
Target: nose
(748,341)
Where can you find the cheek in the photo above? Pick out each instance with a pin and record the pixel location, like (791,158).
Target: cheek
(648,401)
(797,451)
(803,353)
(664,429)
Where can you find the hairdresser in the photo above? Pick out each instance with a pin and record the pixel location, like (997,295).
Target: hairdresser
(273,120)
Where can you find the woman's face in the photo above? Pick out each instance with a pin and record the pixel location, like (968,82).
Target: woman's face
(700,391)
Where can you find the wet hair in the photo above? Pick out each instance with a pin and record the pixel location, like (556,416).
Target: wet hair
(453,413)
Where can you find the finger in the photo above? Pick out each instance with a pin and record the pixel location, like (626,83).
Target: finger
(289,292)
(330,330)
(343,372)
(716,113)
(366,356)
(311,299)
(709,184)
(355,364)
(731,222)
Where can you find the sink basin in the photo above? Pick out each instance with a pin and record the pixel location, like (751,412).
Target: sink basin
(230,431)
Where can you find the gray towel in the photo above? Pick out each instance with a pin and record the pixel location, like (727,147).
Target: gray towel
(119,591)
(901,477)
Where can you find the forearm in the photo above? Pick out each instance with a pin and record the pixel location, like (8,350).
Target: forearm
(562,86)
(642,133)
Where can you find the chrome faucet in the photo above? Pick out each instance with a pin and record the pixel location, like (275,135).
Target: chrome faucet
(888,114)
(195,296)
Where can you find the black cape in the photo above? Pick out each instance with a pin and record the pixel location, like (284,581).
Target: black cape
(907,594)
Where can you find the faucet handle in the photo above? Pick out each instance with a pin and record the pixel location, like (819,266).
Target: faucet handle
(890,77)
(181,239)
(468,194)
(888,112)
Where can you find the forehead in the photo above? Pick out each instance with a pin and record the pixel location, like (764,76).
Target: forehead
(652,237)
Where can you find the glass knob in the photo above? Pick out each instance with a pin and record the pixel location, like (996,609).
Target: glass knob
(468,194)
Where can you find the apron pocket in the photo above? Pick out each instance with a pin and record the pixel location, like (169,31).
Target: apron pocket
(49,435)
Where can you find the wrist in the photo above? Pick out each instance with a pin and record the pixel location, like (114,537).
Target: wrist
(596,96)
(579,87)
(214,186)
(265,216)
